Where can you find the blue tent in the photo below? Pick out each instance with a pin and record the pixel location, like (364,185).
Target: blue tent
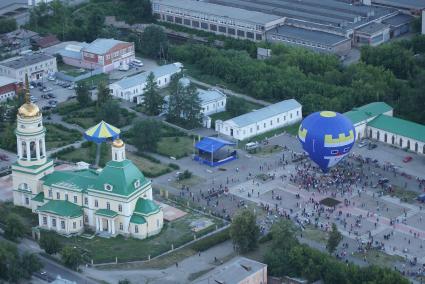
(208,151)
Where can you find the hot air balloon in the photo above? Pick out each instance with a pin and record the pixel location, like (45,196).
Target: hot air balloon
(327,137)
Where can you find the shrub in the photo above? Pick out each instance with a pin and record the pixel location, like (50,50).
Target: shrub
(211,241)
(174,166)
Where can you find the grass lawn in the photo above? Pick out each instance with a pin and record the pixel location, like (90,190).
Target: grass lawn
(71,70)
(380,258)
(177,147)
(314,234)
(59,136)
(149,168)
(225,115)
(96,79)
(103,250)
(87,153)
(194,180)
(267,150)
(404,194)
(84,122)
(291,129)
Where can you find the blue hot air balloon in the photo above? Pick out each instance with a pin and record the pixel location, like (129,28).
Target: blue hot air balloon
(327,137)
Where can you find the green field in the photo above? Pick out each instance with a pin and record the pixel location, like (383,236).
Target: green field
(291,129)
(87,153)
(148,167)
(177,147)
(103,250)
(58,136)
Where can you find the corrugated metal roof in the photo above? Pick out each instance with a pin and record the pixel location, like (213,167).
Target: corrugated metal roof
(399,126)
(308,35)
(102,45)
(408,4)
(6,81)
(220,10)
(372,28)
(210,95)
(398,20)
(140,79)
(368,111)
(265,113)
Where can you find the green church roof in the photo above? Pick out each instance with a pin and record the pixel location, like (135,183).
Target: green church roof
(365,112)
(74,180)
(62,208)
(137,219)
(39,197)
(122,176)
(106,213)
(399,126)
(145,207)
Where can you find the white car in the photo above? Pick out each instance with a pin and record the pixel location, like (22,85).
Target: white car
(362,144)
(137,63)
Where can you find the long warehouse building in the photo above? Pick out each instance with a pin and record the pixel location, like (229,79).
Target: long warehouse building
(218,19)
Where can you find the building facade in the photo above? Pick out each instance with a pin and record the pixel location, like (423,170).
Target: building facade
(132,88)
(114,200)
(34,65)
(372,34)
(218,19)
(259,121)
(375,121)
(8,88)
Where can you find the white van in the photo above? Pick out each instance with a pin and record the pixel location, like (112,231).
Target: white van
(137,62)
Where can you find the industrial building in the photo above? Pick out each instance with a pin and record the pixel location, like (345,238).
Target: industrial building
(218,19)
(8,88)
(259,121)
(375,121)
(413,7)
(36,65)
(330,26)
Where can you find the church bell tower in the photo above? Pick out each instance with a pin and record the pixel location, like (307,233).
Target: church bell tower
(32,163)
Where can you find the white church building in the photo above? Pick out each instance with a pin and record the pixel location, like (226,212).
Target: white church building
(114,200)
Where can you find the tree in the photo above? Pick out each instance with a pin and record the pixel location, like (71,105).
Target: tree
(71,257)
(83,94)
(155,41)
(176,98)
(50,243)
(152,101)
(14,228)
(30,263)
(110,112)
(192,107)
(334,239)
(236,106)
(95,22)
(283,241)
(146,134)
(7,25)
(59,58)
(103,94)
(244,231)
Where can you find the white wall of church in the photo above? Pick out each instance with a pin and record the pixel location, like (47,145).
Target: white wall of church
(396,140)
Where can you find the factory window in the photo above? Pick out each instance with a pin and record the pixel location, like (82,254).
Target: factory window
(96,204)
(27,201)
(222,29)
(258,37)
(264,125)
(277,120)
(195,24)
(120,207)
(250,130)
(298,112)
(178,20)
(108,206)
(290,115)
(258,127)
(213,28)
(231,31)
(241,33)
(250,35)
(377,135)
(186,22)
(170,19)
(50,193)
(204,26)
(271,122)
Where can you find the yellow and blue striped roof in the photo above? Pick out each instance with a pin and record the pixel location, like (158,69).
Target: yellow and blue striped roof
(102,132)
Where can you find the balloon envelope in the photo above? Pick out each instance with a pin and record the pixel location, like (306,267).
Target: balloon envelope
(327,137)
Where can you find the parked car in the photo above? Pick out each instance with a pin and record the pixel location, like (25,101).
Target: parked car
(407,159)
(51,95)
(45,96)
(137,63)
(45,108)
(53,102)
(362,144)
(4,157)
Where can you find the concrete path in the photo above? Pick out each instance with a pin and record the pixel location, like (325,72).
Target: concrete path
(174,274)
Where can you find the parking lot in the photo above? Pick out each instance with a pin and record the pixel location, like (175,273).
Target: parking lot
(60,94)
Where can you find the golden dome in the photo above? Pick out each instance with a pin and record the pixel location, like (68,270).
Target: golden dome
(29,110)
(118,143)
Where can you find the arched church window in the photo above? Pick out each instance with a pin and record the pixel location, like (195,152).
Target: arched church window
(32,149)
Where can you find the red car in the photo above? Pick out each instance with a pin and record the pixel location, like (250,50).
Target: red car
(4,157)
(407,159)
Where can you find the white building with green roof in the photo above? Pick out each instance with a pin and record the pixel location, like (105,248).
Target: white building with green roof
(376,121)
(114,200)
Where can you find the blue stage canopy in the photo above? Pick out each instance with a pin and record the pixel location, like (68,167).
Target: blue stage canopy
(212,144)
